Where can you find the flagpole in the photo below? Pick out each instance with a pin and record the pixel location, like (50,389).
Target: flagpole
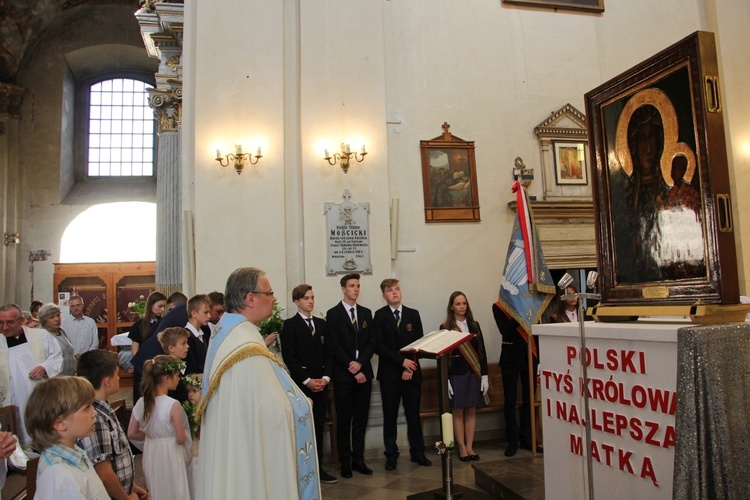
(586,410)
(532,386)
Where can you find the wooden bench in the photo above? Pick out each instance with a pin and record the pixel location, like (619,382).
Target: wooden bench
(430,407)
(429,404)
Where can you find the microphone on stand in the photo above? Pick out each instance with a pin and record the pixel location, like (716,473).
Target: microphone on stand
(565,282)
(591,280)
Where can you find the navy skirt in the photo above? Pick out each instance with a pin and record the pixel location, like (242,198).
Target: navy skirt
(466,390)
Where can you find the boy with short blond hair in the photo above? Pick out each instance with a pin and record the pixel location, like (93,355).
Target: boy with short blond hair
(58,414)
(175,341)
(108,447)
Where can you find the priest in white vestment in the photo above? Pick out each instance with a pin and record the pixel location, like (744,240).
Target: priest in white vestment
(27,356)
(257,433)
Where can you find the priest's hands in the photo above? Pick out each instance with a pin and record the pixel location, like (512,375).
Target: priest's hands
(37,373)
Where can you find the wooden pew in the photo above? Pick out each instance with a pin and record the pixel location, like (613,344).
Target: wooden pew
(429,406)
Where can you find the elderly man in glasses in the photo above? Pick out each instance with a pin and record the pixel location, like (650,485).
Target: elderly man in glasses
(27,356)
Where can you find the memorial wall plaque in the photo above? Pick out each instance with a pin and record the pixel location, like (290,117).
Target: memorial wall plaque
(661,183)
(348,237)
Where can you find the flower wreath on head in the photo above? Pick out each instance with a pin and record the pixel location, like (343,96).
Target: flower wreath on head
(174,367)
(194,379)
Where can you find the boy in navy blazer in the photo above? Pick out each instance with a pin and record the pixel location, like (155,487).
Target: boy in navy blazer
(400,376)
(303,340)
(352,343)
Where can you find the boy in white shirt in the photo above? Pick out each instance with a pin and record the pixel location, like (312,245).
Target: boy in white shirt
(59,412)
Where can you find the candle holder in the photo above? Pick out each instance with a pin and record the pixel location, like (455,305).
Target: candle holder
(446,451)
(238,158)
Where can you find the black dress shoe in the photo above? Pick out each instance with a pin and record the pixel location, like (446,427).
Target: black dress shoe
(361,468)
(390,464)
(346,471)
(467,458)
(474,458)
(421,460)
(527,446)
(511,449)
(326,478)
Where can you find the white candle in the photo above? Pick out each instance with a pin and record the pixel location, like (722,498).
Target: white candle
(258,153)
(362,151)
(218,154)
(325,154)
(446,419)
(238,147)
(347,149)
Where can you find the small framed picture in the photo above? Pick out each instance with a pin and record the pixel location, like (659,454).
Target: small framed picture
(570,162)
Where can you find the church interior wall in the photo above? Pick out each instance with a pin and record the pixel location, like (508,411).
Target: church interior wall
(50,73)
(387,73)
(730,21)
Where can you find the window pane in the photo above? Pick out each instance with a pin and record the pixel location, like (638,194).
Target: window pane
(120,119)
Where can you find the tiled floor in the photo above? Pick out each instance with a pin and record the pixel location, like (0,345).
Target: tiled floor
(409,478)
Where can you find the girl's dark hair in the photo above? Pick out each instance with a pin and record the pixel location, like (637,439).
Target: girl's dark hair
(450,316)
(560,310)
(148,314)
(154,370)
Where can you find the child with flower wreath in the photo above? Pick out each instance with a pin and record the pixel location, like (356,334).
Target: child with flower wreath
(163,424)
(194,384)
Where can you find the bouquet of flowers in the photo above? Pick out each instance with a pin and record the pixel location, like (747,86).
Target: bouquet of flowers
(273,325)
(138,307)
(195,425)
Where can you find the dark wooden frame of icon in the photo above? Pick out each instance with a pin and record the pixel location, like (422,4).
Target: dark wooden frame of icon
(681,83)
(441,203)
(584,5)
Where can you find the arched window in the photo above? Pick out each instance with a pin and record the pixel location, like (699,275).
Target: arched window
(111,232)
(121,129)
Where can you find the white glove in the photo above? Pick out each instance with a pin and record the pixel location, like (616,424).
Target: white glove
(485,385)
(450,390)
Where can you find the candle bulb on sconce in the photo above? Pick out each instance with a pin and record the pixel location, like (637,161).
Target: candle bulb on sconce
(238,158)
(345,156)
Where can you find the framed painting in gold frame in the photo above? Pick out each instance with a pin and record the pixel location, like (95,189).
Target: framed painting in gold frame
(449,179)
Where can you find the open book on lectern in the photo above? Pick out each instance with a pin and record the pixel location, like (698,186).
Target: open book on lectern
(437,343)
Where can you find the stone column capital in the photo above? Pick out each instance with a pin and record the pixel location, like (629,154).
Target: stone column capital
(167,106)
(11,97)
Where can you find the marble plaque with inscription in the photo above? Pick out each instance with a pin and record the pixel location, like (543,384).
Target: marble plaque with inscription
(348,237)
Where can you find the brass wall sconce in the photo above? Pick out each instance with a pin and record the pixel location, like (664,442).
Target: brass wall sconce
(345,156)
(238,157)
(12,239)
